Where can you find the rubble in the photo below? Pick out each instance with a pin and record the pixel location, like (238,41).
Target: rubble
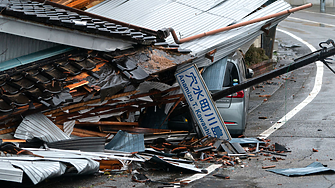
(92,109)
(186,154)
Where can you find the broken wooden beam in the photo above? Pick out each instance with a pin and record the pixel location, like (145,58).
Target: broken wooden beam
(62,109)
(107,123)
(9,130)
(85,133)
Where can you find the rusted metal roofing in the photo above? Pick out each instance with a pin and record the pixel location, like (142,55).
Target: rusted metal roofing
(55,23)
(191,17)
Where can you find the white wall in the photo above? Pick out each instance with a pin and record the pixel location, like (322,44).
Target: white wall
(315,2)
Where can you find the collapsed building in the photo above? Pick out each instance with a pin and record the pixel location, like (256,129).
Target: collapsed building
(92,73)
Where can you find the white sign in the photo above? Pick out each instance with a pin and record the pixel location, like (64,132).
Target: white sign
(201,104)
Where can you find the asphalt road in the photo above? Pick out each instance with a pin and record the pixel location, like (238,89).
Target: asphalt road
(312,127)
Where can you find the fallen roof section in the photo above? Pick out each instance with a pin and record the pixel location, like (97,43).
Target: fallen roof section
(87,86)
(189,18)
(63,25)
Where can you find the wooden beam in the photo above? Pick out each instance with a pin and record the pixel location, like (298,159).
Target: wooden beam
(88,102)
(108,123)
(84,133)
(154,93)
(132,129)
(5,131)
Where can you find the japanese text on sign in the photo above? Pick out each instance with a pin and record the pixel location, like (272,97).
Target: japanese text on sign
(201,104)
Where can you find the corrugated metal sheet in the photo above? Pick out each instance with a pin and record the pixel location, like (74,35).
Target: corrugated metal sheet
(190,17)
(53,164)
(315,167)
(83,144)
(9,46)
(9,173)
(186,17)
(39,126)
(35,56)
(68,127)
(126,142)
(38,171)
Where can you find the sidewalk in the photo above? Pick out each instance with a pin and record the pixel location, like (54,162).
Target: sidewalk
(316,9)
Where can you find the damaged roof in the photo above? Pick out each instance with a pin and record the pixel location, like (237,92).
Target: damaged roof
(47,21)
(191,17)
(87,85)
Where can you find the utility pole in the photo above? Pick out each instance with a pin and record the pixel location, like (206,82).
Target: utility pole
(322,6)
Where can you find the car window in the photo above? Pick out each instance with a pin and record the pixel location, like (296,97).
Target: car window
(231,75)
(243,68)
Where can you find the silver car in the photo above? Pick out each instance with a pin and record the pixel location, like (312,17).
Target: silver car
(225,73)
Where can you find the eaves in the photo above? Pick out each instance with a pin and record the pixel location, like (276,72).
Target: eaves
(61,35)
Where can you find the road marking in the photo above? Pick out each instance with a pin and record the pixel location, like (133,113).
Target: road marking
(318,13)
(311,96)
(197,176)
(293,18)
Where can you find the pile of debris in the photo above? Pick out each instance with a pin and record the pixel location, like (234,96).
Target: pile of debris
(108,98)
(33,150)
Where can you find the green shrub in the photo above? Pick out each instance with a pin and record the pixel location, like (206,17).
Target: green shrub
(255,55)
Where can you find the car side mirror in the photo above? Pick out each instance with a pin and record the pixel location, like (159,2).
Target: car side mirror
(250,73)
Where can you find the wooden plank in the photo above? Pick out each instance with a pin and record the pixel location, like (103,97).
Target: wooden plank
(60,117)
(107,165)
(133,129)
(13,140)
(79,4)
(5,131)
(84,133)
(175,105)
(154,93)
(89,102)
(81,134)
(78,84)
(107,123)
